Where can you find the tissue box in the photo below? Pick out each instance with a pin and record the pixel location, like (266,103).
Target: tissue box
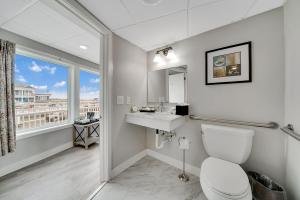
(182,110)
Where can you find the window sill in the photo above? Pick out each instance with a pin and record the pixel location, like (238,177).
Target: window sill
(32,133)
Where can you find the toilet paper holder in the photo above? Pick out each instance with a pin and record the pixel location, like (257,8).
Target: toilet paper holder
(183,176)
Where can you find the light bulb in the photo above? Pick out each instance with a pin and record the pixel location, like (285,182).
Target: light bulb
(171,56)
(158,59)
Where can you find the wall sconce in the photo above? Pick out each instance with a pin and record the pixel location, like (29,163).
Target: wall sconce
(165,54)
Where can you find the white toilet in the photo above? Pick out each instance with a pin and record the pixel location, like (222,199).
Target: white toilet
(221,176)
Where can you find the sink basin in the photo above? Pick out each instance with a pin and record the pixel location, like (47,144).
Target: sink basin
(159,120)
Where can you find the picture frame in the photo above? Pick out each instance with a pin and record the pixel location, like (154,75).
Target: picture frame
(230,64)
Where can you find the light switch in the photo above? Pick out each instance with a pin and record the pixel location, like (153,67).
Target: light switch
(120,100)
(128,100)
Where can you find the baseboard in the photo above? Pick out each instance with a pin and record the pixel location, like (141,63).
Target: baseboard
(31,160)
(126,164)
(173,162)
(166,159)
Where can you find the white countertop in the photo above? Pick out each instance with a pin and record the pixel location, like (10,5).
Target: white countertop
(158,120)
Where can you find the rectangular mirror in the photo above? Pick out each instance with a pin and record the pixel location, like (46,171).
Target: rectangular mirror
(168,85)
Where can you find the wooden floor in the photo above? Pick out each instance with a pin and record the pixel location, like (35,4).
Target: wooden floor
(72,174)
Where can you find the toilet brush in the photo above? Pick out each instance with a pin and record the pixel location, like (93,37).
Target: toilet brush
(183,145)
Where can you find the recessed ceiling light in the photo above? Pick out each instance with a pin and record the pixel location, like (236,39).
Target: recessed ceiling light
(84,47)
(151,2)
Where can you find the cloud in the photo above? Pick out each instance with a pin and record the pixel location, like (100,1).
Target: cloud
(58,95)
(59,84)
(90,95)
(51,70)
(96,80)
(35,68)
(89,92)
(84,89)
(17,69)
(40,87)
(21,79)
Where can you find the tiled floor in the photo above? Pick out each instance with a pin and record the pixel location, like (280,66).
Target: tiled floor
(150,179)
(70,175)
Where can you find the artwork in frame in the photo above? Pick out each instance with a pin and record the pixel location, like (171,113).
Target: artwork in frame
(231,64)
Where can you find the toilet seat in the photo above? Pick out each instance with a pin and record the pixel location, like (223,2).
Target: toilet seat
(222,180)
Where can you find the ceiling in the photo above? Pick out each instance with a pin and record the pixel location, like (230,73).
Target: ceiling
(168,21)
(147,26)
(40,21)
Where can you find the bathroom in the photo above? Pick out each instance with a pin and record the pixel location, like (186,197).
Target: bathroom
(261,100)
(169,105)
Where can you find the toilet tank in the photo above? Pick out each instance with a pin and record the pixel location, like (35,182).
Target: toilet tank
(227,143)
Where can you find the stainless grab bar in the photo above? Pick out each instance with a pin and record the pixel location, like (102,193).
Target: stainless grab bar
(272,125)
(289,129)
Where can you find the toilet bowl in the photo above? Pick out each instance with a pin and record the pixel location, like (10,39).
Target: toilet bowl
(223,180)
(221,176)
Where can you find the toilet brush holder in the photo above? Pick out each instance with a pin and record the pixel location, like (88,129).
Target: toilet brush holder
(183,144)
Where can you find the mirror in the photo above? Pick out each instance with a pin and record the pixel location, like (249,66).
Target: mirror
(167,85)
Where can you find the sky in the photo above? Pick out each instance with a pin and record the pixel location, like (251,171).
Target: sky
(52,78)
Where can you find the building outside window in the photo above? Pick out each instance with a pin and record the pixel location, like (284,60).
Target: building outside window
(89,93)
(41,93)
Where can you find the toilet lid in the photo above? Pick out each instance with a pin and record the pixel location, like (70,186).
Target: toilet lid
(225,177)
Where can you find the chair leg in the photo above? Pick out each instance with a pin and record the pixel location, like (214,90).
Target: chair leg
(86,139)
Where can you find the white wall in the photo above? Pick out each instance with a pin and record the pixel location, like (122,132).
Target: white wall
(129,79)
(292,114)
(261,101)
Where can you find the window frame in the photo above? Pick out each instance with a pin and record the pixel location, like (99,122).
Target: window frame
(70,96)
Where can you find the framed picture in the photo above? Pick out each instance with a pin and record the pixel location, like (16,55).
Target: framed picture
(231,64)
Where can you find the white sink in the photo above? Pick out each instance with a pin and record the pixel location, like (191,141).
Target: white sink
(158,120)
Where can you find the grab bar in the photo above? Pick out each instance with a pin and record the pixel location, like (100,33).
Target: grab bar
(289,129)
(272,125)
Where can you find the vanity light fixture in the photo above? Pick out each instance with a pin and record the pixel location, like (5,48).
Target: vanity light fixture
(163,54)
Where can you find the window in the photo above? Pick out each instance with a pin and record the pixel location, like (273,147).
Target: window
(41,93)
(89,93)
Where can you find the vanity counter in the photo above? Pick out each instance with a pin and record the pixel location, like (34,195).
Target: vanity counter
(158,120)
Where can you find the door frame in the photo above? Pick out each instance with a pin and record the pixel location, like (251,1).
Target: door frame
(106,69)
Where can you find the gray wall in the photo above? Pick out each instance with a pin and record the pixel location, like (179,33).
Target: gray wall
(262,100)
(35,145)
(129,79)
(292,114)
